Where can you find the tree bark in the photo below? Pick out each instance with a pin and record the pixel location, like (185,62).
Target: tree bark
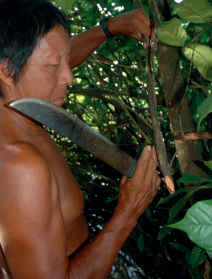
(177,104)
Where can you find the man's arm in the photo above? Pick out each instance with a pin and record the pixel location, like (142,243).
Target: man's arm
(133,24)
(32,229)
(136,193)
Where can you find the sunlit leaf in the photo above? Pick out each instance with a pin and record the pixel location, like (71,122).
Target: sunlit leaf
(197,256)
(196,11)
(197,223)
(65,4)
(201,56)
(172,33)
(204,109)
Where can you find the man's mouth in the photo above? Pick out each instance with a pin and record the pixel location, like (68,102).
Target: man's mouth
(59,101)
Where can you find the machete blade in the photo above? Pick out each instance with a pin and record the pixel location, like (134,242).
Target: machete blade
(77,131)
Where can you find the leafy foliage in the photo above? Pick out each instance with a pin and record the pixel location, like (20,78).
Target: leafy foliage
(197,223)
(172,33)
(201,56)
(204,109)
(194,10)
(66,5)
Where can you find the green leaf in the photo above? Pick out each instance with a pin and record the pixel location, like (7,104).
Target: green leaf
(130,44)
(202,58)
(65,4)
(112,199)
(148,213)
(208,164)
(197,223)
(172,33)
(187,177)
(116,189)
(197,100)
(209,253)
(140,242)
(204,109)
(197,256)
(180,247)
(179,205)
(166,199)
(164,231)
(196,11)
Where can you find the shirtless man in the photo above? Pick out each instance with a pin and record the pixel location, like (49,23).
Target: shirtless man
(41,205)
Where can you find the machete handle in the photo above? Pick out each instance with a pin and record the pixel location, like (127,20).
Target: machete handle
(132,170)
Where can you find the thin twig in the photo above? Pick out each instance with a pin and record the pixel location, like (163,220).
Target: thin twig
(197,36)
(97,76)
(198,85)
(125,108)
(114,127)
(119,65)
(132,110)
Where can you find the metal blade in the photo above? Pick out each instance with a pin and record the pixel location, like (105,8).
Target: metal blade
(77,131)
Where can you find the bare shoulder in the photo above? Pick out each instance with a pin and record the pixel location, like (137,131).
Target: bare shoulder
(30,214)
(23,169)
(20,150)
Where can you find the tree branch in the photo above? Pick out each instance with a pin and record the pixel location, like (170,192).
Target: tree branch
(158,138)
(193,136)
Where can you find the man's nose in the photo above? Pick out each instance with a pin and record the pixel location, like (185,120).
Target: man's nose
(66,77)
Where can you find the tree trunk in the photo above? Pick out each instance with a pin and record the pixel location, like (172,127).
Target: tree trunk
(177,104)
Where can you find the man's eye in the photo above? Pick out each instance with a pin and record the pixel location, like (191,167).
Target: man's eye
(54,65)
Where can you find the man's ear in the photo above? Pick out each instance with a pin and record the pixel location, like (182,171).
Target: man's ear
(5,77)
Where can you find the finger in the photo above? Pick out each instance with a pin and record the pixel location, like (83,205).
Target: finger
(154,155)
(151,168)
(146,20)
(123,180)
(143,162)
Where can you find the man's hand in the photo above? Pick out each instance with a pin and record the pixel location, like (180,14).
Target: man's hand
(133,24)
(137,192)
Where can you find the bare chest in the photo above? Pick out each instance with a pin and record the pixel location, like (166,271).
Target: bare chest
(71,198)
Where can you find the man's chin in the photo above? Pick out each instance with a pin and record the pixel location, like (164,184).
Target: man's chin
(59,102)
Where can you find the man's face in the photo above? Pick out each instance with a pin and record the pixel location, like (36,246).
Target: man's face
(47,72)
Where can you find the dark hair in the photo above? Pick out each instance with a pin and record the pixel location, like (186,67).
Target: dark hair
(22,24)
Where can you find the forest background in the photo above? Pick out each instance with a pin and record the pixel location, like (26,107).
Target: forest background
(110,93)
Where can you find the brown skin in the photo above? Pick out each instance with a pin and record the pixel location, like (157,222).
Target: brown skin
(41,205)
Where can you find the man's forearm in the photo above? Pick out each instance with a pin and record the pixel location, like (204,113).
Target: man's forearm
(96,259)
(84,44)
(132,23)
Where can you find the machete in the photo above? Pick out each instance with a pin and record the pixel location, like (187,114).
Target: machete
(77,131)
